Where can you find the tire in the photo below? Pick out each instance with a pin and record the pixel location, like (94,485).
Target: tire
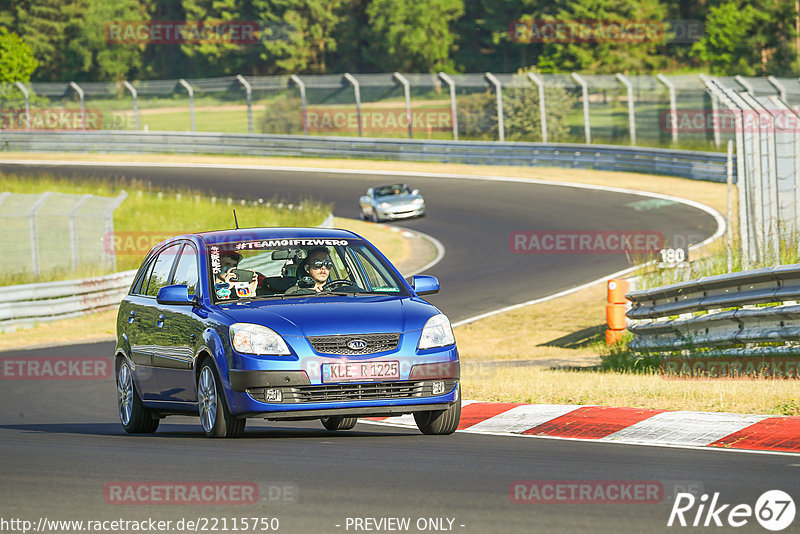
(374,217)
(440,422)
(135,418)
(337,422)
(215,418)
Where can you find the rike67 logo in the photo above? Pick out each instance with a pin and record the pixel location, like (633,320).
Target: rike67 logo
(774,510)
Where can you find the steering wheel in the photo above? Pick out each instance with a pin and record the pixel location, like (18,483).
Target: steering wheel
(333,284)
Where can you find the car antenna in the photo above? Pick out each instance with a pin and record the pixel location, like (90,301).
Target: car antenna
(235,220)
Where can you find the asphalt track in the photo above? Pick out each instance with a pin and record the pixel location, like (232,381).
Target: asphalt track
(61,444)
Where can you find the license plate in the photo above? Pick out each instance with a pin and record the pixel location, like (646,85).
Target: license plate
(349,371)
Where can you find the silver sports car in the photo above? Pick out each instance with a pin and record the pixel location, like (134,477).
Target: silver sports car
(390,202)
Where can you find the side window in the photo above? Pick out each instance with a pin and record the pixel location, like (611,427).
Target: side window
(186,271)
(161,269)
(141,283)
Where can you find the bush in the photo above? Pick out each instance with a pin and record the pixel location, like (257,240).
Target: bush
(284,115)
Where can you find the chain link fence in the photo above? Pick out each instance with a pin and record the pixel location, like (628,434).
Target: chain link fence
(56,232)
(660,111)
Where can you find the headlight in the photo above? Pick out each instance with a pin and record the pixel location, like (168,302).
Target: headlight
(419,201)
(384,205)
(256,339)
(437,333)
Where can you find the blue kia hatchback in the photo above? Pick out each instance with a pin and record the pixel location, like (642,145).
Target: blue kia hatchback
(281,324)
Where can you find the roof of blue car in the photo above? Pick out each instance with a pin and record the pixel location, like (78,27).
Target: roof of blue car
(248,234)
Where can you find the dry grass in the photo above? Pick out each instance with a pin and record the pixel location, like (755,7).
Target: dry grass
(536,385)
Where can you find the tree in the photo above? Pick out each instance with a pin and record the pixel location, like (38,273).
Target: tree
(301,33)
(610,52)
(16,58)
(412,36)
(740,39)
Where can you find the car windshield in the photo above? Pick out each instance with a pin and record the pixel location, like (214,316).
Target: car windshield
(283,268)
(392,190)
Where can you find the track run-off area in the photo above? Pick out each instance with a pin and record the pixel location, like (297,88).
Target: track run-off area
(64,455)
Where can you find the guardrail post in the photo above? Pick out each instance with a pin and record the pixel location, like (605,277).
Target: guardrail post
(357,92)
(191,100)
(498,88)
(34,237)
(134,95)
(78,90)
(73,231)
(542,108)
(453,112)
(673,107)
(407,93)
(24,90)
(109,216)
(249,92)
(729,229)
(302,86)
(631,110)
(587,131)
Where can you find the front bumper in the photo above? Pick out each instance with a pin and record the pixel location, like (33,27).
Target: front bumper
(403,212)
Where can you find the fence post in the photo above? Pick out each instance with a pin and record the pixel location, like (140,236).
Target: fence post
(542,107)
(249,92)
(357,92)
(73,232)
(407,93)
(34,237)
(631,111)
(730,205)
(134,95)
(673,107)
(24,90)
(191,103)
(78,90)
(778,85)
(453,112)
(499,92)
(300,85)
(109,216)
(587,131)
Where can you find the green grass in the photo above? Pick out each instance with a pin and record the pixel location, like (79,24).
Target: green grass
(148,216)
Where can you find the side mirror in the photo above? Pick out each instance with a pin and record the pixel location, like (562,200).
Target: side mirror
(425,285)
(176,294)
(415,192)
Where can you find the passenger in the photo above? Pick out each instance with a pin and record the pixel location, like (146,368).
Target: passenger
(317,266)
(229,260)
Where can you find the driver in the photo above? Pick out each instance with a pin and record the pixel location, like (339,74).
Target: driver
(317,266)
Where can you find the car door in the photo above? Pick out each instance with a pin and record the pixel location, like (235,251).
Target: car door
(178,334)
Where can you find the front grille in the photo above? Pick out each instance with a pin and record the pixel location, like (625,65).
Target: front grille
(338,344)
(353,392)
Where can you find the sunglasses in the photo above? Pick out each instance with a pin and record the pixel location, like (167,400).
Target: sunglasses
(319,264)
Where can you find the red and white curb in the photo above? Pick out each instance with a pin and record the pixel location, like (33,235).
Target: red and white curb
(627,425)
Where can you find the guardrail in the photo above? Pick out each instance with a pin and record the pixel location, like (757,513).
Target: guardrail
(708,166)
(49,301)
(745,310)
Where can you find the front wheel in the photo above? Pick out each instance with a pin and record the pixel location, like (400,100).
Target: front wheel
(217,420)
(135,418)
(337,422)
(440,422)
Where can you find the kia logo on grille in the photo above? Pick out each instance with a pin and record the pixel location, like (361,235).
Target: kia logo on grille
(356,344)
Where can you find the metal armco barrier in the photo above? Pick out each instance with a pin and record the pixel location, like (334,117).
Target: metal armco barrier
(30,303)
(708,166)
(744,309)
